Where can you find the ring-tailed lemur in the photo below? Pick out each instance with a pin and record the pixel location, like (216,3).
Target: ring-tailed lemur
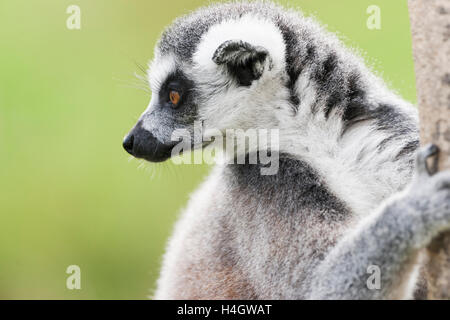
(347,144)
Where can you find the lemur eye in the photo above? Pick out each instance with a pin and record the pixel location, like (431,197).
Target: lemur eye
(174,97)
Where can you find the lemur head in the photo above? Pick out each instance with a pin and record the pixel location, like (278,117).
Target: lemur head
(221,67)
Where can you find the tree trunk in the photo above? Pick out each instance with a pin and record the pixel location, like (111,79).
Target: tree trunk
(430,25)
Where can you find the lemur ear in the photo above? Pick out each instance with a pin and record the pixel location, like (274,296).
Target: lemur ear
(244,61)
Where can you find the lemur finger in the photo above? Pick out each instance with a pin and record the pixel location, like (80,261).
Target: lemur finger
(442,180)
(424,153)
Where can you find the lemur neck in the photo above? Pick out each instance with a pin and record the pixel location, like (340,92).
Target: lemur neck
(363,163)
(358,137)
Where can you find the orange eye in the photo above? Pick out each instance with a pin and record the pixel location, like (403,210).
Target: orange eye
(174,97)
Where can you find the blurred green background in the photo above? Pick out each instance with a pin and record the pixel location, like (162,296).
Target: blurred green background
(69,194)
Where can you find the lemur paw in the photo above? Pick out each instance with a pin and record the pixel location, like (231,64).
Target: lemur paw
(425,153)
(428,197)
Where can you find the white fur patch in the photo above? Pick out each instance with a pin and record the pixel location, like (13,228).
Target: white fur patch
(251,29)
(159,69)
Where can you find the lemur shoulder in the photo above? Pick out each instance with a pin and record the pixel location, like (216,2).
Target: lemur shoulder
(352,188)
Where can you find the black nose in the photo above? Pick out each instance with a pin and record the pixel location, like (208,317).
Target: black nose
(128,143)
(142,144)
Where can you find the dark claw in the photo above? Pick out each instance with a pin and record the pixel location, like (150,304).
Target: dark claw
(430,150)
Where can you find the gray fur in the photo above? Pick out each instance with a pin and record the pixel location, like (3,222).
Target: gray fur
(391,239)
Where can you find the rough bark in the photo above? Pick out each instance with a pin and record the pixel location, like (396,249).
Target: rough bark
(430,25)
